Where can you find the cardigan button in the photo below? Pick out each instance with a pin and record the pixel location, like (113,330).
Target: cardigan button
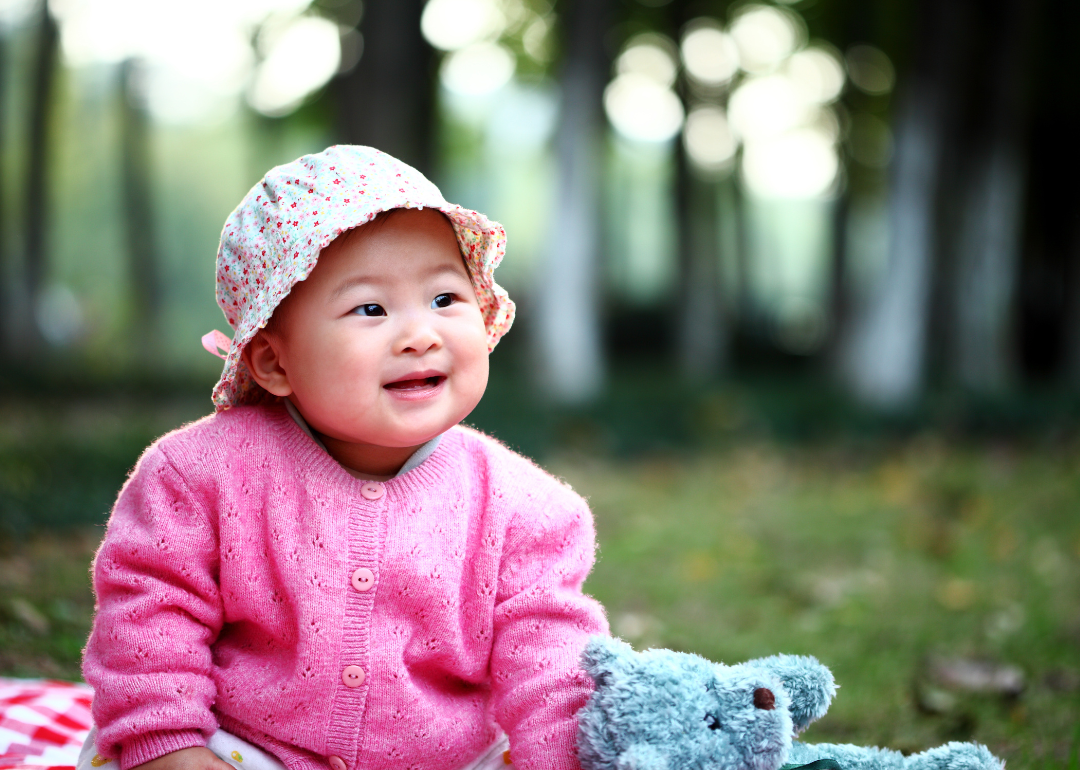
(336,763)
(353,676)
(363,579)
(372,490)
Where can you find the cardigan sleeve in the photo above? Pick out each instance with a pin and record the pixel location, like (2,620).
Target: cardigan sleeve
(158,611)
(542,621)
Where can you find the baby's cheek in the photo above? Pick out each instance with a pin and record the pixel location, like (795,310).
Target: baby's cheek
(476,384)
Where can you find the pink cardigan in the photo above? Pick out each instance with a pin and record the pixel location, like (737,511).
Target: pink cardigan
(247,580)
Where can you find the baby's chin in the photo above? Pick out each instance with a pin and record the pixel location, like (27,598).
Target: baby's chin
(392,423)
(399,437)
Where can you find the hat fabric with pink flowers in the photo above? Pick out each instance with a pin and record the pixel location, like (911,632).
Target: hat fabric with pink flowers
(273,240)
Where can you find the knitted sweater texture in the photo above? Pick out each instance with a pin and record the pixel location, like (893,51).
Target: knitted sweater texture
(226,598)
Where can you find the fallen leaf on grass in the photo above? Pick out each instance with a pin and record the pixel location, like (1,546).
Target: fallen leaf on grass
(981,677)
(945,685)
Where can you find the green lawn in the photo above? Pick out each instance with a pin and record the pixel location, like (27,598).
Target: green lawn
(877,555)
(875,560)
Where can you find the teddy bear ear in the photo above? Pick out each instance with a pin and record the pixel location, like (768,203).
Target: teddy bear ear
(603,654)
(808,682)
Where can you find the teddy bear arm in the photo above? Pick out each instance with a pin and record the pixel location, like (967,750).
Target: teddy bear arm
(847,756)
(955,756)
(951,756)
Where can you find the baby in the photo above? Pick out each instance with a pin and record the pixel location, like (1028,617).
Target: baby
(330,572)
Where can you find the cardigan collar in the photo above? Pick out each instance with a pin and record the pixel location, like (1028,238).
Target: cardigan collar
(423,452)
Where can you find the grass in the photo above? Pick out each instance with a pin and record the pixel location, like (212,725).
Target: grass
(61,465)
(874,560)
(874,551)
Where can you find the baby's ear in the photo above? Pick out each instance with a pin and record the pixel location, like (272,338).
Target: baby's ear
(263,362)
(809,683)
(604,654)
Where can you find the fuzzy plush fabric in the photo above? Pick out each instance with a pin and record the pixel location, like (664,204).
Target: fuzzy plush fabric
(809,685)
(664,710)
(951,756)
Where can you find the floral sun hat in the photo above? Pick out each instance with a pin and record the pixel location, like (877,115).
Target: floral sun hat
(273,240)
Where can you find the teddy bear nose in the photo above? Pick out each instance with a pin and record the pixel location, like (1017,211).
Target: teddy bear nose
(764,699)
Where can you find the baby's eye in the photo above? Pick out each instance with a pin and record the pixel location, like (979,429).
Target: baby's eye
(443,300)
(369,310)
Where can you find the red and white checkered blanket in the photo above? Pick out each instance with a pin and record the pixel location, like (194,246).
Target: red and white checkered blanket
(43,723)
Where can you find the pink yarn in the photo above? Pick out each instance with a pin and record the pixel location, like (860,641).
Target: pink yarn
(225,598)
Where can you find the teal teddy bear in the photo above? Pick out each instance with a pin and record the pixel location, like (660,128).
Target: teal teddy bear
(665,710)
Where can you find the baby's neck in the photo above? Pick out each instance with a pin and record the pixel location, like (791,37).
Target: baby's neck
(364,461)
(373,463)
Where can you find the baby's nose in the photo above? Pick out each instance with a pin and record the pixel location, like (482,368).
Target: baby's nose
(764,699)
(418,338)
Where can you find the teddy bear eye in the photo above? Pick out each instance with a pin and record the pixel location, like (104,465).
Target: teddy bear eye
(712,722)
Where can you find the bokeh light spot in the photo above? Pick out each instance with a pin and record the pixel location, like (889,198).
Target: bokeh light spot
(817,74)
(709,55)
(59,315)
(197,57)
(302,58)
(642,109)
(764,106)
(451,25)
(708,139)
(536,39)
(797,164)
(649,56)
(765,36)
(870,70)
(480,69)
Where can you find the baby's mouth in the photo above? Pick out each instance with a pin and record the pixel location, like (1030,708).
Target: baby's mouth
(421,383)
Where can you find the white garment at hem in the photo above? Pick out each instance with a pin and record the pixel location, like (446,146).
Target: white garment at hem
(247,756)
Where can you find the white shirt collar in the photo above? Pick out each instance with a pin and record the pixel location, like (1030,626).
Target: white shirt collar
(423,452)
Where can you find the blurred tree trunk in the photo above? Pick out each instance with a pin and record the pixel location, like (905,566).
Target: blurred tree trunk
(387,100)
(858,22)
(838,299)
(746,312)
(1048,302)
(5,289)
(1072,310)
(702,341)
(143,268)
(988,248)
(567,300)
(886,363)
(35,270)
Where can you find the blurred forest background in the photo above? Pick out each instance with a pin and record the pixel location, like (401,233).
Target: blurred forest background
(798,288)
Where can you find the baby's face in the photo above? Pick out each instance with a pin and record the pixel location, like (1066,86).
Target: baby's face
(384,343)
